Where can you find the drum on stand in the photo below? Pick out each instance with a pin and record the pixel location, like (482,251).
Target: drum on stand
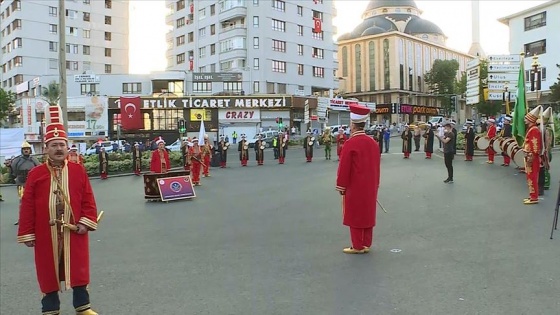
(482,143)
(151,188)
(510,149)
(518,157)
(497,144)
(505,143)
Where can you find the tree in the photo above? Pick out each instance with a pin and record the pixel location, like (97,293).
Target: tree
(555,90)
(51,93)
(7,100)
(442,81)
(484,107)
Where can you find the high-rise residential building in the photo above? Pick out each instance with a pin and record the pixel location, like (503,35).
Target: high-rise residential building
(274,46)
(96,39)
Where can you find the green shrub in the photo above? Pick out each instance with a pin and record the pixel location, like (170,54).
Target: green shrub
(122,162)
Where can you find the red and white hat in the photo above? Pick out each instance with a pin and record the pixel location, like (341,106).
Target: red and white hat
(160,140)
(73,148)
(535,114)
(55,128)
(358,113)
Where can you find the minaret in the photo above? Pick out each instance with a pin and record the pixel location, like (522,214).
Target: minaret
(476,48)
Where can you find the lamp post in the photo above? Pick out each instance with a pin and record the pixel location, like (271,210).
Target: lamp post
(536,77)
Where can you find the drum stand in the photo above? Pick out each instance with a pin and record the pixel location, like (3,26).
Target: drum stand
(555,219)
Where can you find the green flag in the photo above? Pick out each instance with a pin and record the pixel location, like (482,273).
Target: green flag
(520,109)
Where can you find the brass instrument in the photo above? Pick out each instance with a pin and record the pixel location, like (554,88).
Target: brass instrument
(263,146)
(311,141)
(104,162)
(245,146)
(225,146)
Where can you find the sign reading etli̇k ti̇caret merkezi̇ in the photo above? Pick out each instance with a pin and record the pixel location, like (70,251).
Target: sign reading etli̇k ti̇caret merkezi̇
(176,188)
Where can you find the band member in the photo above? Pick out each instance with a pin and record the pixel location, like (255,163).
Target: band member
(196,158)
(160,158)
(506,132)
(532,146)
(243,148)
(222,149)
(340,139)
(57,213)
(327,142)
(308,144)
(185,145)
(20,167)
(103,163)
(548,144)
(260,144)
(407,141)
(282,145)
(136,159)
(74,156)
(490,134)
(207,149)
(469,140)
(429,141)
(358,182)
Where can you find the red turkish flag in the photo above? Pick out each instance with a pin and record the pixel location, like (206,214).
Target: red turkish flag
(191,65)
(192,8)
(131,113)
(317,26)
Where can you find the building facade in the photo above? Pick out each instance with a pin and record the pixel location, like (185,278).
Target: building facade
(384,60)
(96,39)
(276,46)
(535,32)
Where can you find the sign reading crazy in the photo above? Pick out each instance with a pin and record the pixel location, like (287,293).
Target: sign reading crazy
(212,102)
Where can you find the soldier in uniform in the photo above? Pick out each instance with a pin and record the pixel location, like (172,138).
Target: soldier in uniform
(74,156)
(103,163)
(282,146)
(57,212)
(20,167)
(340,139)
(260,144)
(195,156)
(243,148)
(506,133)
(308,144)
(136,159)
(222,149)
(429,141)
(532,147)
(490,134)
(160,158)
(207,149)
(469,141)
(407,141)
(185,154)
(327,142)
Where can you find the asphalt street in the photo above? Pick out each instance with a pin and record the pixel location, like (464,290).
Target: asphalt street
(269,240)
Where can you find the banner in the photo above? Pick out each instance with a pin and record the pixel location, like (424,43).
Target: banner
(201,115)
(97,117)
(176,188)
(131,115)
(317,25)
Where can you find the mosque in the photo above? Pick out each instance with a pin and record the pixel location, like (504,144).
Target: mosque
(384,59)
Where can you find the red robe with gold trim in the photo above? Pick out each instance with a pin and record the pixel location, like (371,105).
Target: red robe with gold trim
(358,177)
(156,162)
(75,158)
(533,146)
(37,209)
(340,139)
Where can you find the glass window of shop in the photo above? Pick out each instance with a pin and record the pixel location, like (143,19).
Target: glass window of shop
(166,119)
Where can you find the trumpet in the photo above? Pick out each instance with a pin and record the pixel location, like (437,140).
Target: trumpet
(226,146)
(245,146)
(311,141)
(262,146)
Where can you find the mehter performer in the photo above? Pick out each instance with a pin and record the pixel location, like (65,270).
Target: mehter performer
(160,158)
(103,163)
(137,159)
(532,146)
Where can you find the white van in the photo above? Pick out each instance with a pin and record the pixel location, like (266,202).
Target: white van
(267,137)
(436,120)
(336,129)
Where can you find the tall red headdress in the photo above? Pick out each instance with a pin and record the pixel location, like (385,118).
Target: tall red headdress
(55,128)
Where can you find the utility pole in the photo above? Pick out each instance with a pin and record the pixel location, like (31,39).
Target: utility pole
(62,62)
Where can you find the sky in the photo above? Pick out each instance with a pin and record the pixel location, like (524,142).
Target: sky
(147,21)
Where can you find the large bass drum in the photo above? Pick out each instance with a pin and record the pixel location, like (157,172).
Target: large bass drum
(497,144)
(518,156)
(510,149)
(506,143)
(482,143)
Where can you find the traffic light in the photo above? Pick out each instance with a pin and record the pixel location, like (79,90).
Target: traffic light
(182,125)
(453,102)
(280,124)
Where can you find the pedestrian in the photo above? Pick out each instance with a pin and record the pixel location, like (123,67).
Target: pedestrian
(59,191)
(358,182)
(469,141)
(448,149)
(532,147)
(387,139)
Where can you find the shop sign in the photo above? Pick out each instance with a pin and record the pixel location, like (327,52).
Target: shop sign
(418,110)
(232,115)
(212,102)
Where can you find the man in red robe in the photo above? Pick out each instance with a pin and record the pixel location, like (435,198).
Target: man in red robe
(490,134)
(195,156)
(340,139)
(532,146)
(160,158)
(358,182)
(207,149)
(74,156)
(57,212)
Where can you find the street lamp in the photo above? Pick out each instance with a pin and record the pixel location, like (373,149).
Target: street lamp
(536,76)
(506,98)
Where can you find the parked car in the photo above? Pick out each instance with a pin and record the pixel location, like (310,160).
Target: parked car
(336,129)
(108,145)
(268,136)
(175,146)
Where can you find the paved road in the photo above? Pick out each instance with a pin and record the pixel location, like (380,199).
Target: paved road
(268,240)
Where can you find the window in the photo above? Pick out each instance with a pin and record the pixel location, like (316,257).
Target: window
(86,33)
(107,52)
(213,9)
(107,20)
(53,46)
(72,65)
(17,42)
(53,11)
(232,43)
(278,25)
(278,66)
(226,65)
(202,69)
(317,53)
(202,14)
(71,14)
(213,29)
(163,119)
(300,30)
(87,65)
(270,87)
(300,49)
(317,15)
(371,60)
(16,5)
(16,24)
(72,31)
(202,32)
(358,66)
(202,52)
(181,40)
(255,21)
(18,79)
(233,86)
(86,50)
(108,4)
(535,48)
(190,37)
(180,5)
(535,21)
(107,35)
(213,67)
(281,88)
(86,16)
(256,87)
(278,45)
(256,63)
(317,35)
(255,42)
(108,68)
(319,72)
(202,87)
(230,4)
(300,10)
(300,69)
(87,1)
(279,5)
(386,65)
(344,61)
(212,49)
(87,88)
(18,61)
(180,22)
(71,48)
(132,88)
(180,58)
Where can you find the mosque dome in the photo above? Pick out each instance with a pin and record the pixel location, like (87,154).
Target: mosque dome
(374,4)
(374,30)
(420,26)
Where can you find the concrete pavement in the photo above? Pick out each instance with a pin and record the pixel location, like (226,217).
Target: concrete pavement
(268,240)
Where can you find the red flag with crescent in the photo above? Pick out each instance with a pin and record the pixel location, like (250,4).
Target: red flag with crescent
(131,113)
(317,25)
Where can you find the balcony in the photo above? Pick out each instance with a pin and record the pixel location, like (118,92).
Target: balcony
(233,54)
(234,30)
(169,37)
(233,13)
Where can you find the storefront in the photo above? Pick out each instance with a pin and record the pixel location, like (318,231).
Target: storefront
(239,121)
(408,113)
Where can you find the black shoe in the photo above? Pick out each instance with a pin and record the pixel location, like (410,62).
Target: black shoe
(16,223)
(449,180)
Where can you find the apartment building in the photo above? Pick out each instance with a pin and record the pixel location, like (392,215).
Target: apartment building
(277,46)
(96,39)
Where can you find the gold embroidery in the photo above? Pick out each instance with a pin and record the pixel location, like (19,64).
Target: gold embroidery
(530,184)
(535,145)
(55,133)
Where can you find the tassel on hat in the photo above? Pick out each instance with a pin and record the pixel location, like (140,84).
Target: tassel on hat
(534,114)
